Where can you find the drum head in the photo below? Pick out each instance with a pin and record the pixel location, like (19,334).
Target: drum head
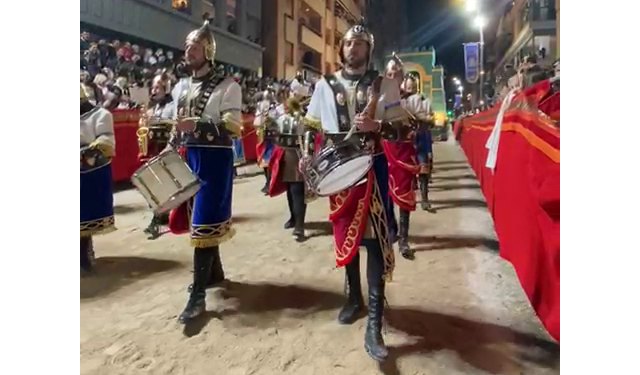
(344,176)
(179,198)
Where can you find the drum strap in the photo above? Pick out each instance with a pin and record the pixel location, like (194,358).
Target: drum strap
(339,91)
(202,100)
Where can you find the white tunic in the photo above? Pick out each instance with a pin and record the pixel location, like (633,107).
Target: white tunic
(167,111)
(97,125)
(262,112)
(322,106)
(416,106)
(225,98)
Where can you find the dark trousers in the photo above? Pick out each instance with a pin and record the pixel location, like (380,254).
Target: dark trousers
(297,205)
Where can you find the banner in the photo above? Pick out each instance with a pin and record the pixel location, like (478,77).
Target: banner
(472,62)
(457,101)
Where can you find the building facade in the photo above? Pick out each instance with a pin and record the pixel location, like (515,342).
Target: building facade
(167,22)
(303,35)
(527,28)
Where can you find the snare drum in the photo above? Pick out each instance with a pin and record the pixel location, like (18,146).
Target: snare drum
(338,166)
(166,182)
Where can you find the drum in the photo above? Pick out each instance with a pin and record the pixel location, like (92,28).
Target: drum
(338,166)
(166,182)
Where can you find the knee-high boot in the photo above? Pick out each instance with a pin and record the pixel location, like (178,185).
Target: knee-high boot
(154,227)
(87,257)
(299,210)
(403,237)
(216,276)
(202,261)
(290,223)
(373,341)
(424,192)
(265,188)
(354,304)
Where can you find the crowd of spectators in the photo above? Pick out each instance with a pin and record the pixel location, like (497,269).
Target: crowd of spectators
(118,74)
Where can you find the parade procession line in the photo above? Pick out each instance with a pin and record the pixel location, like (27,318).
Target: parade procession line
(458,308)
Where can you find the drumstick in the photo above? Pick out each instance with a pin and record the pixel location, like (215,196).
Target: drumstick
(350,133)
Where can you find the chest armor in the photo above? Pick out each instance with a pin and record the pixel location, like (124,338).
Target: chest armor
(341,97)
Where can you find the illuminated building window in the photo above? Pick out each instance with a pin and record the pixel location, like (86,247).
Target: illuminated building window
(181,5)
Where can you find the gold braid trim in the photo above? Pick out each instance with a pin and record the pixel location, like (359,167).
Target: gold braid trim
(106,149)
(408,198)
(98,226)
(312,122)
(232,125)
(379,220)
(211,235)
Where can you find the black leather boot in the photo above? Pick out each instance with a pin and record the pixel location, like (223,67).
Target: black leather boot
(217,272)
(424,193)
(354,305)
(265,188)
(87,257)
(291,222)
(373,341)
(299,210)
(196,305)
(403,237)
(153,230)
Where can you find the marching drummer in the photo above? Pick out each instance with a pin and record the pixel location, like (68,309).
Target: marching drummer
(97,147)
(401,153)
(162,109)
(361,214)
(285,175)
(424,140)
(209,106)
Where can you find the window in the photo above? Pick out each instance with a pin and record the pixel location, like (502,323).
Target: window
(310,18)
(231,8)
(288,8)
(288,53)
(181,5)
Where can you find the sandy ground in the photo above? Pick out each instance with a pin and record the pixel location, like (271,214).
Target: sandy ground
(456,309)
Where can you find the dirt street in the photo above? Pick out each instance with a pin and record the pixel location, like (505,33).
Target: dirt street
(456,309)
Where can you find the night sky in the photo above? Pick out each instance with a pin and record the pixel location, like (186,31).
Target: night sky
(444,25)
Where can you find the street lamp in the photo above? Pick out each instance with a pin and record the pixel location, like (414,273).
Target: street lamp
(480,22)
(471,6)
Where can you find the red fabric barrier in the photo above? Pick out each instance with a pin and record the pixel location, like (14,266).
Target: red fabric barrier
(125,162)
(249,138)
(523,195)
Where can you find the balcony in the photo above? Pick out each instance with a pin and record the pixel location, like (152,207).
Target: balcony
(351,7)
(341,25)
(316,5)
(311,39)
(290,30)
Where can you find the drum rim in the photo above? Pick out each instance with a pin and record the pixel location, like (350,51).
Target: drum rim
(194,184)
(364,173)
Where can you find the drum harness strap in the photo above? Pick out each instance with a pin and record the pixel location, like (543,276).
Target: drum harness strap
(339,91)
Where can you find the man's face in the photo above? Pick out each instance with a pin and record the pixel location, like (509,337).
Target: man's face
(157,90)
(410,86)
(84,35)
(355,53)
(194,55)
